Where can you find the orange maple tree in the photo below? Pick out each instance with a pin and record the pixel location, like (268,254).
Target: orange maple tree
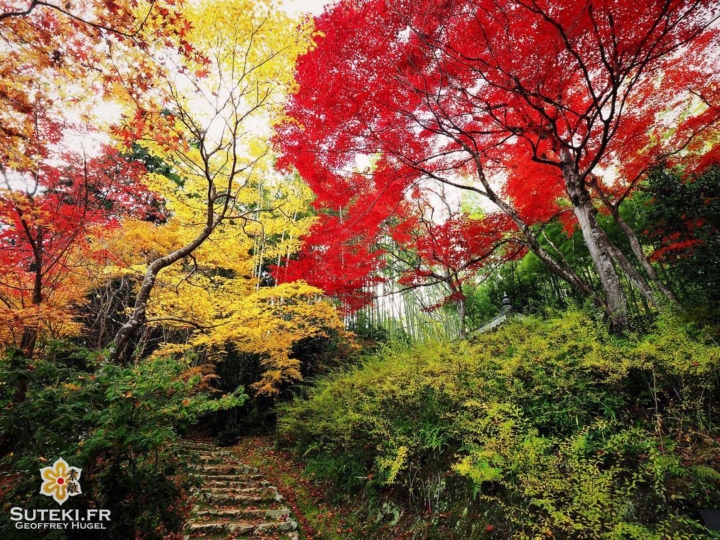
(65,66)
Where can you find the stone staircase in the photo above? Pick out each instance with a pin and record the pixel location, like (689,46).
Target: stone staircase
(234,501)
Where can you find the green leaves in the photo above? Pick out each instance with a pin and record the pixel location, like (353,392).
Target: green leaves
(555,426)
(118,423)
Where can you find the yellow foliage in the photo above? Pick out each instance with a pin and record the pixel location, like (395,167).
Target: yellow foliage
(209,118)
(219,302)
(214,134)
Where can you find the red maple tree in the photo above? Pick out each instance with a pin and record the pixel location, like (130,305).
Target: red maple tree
(454,252)
(60,207)
(535,105)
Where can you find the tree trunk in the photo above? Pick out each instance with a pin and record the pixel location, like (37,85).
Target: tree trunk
(597,243)
(30,332)
(631,272)
(634,245)
(462,316)
(137,318)
(560,268)
(640,255)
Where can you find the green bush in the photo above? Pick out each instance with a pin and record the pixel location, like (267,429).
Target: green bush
(682,222)
(118,424)
(555,428)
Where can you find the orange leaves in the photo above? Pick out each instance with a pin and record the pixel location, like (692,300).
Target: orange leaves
(80,55)
(52,223)
(50,319)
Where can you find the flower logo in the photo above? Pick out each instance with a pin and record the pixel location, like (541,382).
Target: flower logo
(60,481)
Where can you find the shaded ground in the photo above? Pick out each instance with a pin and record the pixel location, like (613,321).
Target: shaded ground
(320,516)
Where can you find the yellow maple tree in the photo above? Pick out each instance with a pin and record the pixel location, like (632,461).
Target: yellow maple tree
(230,213)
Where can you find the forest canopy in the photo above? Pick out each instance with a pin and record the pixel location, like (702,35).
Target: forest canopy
(457,259)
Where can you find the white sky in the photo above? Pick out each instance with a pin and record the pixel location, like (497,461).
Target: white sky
(299,7)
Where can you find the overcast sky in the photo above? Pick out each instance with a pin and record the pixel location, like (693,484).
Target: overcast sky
(298,7)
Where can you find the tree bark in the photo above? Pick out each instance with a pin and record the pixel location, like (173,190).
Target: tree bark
(30,332)
(640,255)
(596,241)
(138,316)
(635,277)
(635,246)
(462,315)
(560,268)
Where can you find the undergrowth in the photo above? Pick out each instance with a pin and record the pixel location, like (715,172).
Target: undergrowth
(543,428)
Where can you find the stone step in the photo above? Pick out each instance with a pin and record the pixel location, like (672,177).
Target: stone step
(244,499)
(253,490)
(224,470)
(203,454)
(216,460)
(277,526)
(212,482)
(278,514)
(233,499)
(230,478)
(199,445)
(246,490)
(239,528)
(208,527)
(203,451)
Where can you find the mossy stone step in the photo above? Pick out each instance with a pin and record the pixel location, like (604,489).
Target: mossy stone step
(234,527)
(281,514)
(239,528)
(212,482)
(233,499)
(251,477)
(227,469)
(201,458)
(241,499)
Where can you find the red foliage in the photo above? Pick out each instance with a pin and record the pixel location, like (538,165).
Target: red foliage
(341,268)
(454,251)
(64,205)
(457,92)
(676,250)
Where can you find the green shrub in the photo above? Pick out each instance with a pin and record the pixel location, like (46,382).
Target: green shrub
(555,428)
(118,424)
